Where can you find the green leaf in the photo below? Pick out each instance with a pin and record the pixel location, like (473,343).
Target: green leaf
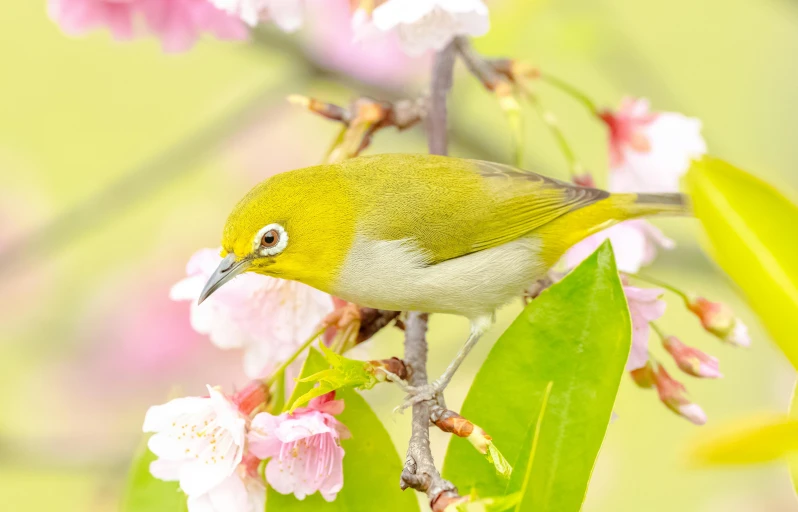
(145,493)
(314,363)
(371,464)
(575,338)
(748,224)
(492,504)
(343,373)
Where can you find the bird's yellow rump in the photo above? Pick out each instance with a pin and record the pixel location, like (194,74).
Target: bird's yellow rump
(419,232)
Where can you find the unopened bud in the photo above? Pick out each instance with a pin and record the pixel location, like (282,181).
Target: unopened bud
(450,421)
(525,69)
(644,377)
(254,396)
(719,319)
(673,394)
(448,501)
(328,110)
(691,360)
(393,365)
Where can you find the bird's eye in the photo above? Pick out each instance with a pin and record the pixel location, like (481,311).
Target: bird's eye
(270,239)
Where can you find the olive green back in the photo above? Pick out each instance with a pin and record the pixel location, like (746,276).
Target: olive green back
(451,206)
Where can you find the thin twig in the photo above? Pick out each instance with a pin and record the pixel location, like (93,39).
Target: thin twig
(419,471)
(477,65)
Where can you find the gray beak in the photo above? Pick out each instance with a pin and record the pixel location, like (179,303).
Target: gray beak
(226,270)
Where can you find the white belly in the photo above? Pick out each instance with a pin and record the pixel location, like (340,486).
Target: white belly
(393,275)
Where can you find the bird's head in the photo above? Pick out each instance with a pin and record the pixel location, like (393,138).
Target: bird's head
(289,227)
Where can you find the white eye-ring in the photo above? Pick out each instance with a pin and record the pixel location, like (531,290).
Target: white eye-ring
(270,240)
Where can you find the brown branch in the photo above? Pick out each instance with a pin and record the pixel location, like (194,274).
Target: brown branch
(478,66)
(437,127)
(372,321)
(362,119)
(419,471)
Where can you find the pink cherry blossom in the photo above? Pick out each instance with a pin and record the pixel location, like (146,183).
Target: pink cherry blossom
(269,318)
(427,24)
(198,440)
(650,151)
(178,23)
(375,58)
(645,306)
(691,360)
(304,448)
(718,319)
(635,243)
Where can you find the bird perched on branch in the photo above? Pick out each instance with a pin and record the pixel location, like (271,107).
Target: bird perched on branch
(419,233)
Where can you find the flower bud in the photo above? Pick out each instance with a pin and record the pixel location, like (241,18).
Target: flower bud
(644,376)
(691,360)
(673,395)
(719,319)
(254,396)
(393,365)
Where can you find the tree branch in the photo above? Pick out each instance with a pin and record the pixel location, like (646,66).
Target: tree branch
(420,472)
(437,127)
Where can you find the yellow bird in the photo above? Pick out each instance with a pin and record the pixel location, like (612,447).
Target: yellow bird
(426,233)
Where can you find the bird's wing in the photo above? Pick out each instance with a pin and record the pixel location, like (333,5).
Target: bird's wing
(523,201)
(450,207)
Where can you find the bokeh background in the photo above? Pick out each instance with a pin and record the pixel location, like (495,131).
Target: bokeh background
(117,162)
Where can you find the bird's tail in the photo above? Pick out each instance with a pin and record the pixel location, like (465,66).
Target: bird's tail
(632,206)
(565,231)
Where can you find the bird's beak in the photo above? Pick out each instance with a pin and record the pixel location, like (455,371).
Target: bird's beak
(227,269)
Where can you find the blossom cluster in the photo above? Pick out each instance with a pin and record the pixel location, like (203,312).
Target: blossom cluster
(418,25)
(650,152)
(214,446)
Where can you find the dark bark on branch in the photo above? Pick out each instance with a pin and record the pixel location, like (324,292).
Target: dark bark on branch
(372,321)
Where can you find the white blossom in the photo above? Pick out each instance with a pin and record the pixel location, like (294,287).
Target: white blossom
(199,441)
(286,14)
(425,24)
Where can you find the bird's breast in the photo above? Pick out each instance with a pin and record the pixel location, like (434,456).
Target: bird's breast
(396,275)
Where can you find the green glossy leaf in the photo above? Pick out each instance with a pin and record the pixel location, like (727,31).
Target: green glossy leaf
(371,464)
(342,373)
(145,493)
(493,504)
(314,363)
(748,224)
(575,338)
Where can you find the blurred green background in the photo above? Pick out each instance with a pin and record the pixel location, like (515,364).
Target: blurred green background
(89,339)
